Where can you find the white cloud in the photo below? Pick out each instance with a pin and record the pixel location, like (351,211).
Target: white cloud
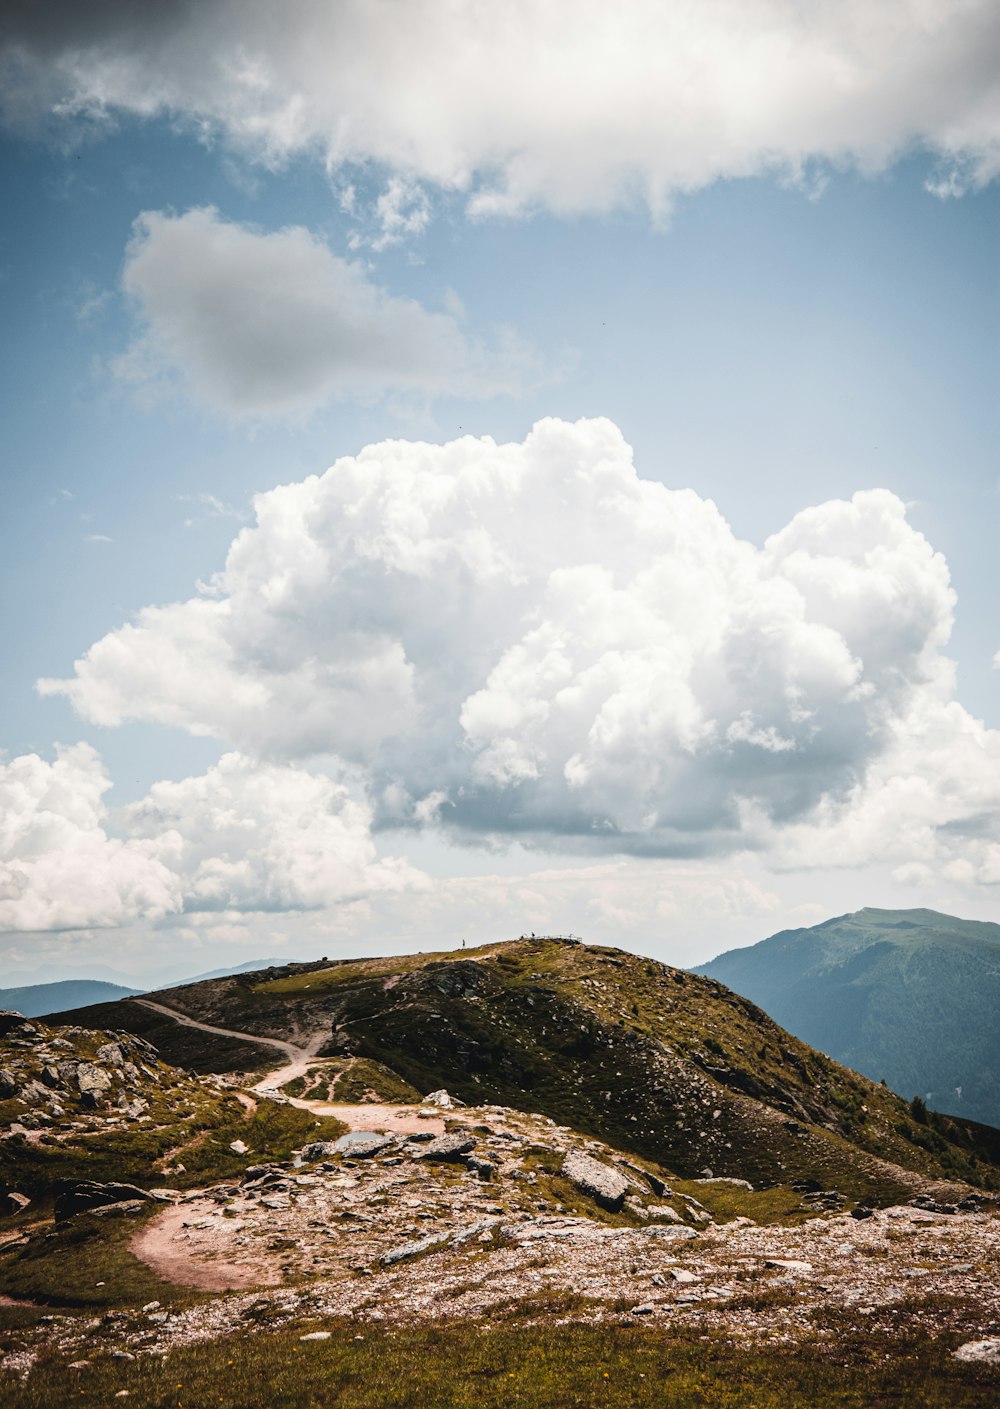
(529,639)
(59,868)
(567,104)
(242,837)
(269,324)
(260,837)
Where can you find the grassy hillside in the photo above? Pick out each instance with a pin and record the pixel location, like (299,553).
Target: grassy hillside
(649,1058)
(910,996)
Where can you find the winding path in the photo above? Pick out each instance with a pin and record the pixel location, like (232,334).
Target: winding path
(399,1119)
(298,1057)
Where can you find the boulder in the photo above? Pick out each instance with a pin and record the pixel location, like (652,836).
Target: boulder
(362,1144)
(75,1196)
(447,1147)
(92,1082)
(50,1076)
(10,1021)
(414,1249)
(442,1100)
(605,1186)
(9,1085)
(985,1351)
(126,1208)
(482,1167)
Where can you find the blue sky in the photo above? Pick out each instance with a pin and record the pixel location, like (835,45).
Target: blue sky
(199,307)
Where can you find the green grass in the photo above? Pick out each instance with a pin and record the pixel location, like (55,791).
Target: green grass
(353,1081)
(466,1366)
(132,1153)
(86,1263)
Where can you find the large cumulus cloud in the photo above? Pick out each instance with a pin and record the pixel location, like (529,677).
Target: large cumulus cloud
(570,106)
(531,639)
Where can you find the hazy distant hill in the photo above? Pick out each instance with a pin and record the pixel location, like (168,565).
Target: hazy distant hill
(910,996)
(37,999)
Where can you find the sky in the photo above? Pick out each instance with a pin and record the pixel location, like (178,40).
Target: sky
(476,470)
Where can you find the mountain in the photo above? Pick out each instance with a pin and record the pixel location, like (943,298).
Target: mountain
(667,1065)
(908,996)
(250,967)
(39,998)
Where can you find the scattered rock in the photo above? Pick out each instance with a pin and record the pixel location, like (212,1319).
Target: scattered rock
(316,1336)
(15,1203)
(482,1167)
(605,1186)
(126,1208)
(681,1274)
(645,1308)
(238,1147)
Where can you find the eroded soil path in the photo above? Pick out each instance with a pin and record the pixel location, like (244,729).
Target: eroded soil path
(392,1119)
(298,1058)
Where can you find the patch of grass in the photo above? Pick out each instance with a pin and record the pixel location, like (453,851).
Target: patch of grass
(134,1153)
(86,1263)
(353,1081)
(779,1204)
(468,1366)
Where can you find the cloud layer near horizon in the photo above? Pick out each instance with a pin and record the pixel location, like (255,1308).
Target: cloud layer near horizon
(242,837)
(530,640)
(570,107)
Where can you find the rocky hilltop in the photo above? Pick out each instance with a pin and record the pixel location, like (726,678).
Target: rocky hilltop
(651,1059)
(518,1140)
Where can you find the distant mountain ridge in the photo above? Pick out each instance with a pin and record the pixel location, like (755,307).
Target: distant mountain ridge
(908,996)
(37,999)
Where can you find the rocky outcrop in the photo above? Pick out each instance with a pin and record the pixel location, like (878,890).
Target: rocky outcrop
(10,1021)
(446,1147)
(362,1144)
(74,1196)
(605,1186)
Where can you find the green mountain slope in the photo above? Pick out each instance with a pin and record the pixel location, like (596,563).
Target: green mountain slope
(908,996)
(36,999)
(650,1059)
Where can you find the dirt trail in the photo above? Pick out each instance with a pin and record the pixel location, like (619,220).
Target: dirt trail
(164,1245)
(373,1115)
(298,1057)
(396,1119)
